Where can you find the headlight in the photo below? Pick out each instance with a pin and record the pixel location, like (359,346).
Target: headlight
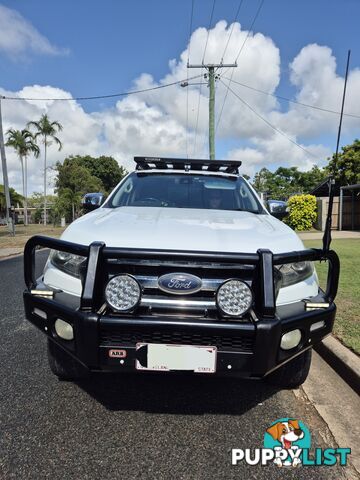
(123,293)
(74,265)
(234,298)
(292,273)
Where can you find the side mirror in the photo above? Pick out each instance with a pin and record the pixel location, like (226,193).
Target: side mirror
(277,209)
(91,201)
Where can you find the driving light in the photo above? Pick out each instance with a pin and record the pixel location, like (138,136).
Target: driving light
(234,298)
(290,339)
(123,293)
(64,329)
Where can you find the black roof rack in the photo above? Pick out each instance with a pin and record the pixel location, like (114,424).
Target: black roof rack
(226,166)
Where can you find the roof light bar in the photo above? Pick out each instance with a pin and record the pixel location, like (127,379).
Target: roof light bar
(227,166)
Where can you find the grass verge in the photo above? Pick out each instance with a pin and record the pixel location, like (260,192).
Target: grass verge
(22,234)
(347,323)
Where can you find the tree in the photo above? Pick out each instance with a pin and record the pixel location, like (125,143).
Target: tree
(310,179)
(72,182)
(284,182)
(15,198)
(58,210)
(47,131)
(106,169)
(23,143)
(346,169)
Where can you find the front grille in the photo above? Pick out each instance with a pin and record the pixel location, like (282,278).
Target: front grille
(112,337)
(202,302)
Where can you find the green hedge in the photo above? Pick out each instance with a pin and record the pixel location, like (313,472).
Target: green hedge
(302,212)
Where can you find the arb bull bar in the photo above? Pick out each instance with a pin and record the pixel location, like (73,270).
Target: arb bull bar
(250,347)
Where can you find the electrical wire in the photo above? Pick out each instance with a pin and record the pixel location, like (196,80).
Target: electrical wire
(292,101)
(270,124)
(95,97)
(250,29)
(232,29)
(208,31)
(237,57)
(187,80)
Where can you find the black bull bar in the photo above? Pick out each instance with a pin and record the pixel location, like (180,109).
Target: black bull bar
(272,321)
(263,260)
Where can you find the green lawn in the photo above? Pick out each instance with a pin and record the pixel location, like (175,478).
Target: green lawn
(347,323)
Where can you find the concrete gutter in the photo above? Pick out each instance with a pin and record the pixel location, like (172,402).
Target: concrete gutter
(9,252)
(338,405)
(345,362)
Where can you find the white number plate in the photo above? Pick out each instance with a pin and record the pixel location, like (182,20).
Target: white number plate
(163,358)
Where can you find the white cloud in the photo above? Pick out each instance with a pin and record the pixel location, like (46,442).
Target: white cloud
(313,73)
(18,36)
(155,123)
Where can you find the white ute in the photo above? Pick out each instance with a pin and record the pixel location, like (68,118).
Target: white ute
(187,270)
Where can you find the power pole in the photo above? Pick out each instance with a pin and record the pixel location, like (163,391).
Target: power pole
(4,168)
(211,75)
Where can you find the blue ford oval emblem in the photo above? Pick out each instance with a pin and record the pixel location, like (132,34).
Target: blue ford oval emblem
(179,283)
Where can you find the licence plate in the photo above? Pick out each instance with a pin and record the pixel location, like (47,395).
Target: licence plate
(164,358)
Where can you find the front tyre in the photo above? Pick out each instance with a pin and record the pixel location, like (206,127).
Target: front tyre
(293,373)
(62,364)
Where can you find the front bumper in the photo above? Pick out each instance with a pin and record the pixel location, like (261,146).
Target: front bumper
(246,348)
(243,349)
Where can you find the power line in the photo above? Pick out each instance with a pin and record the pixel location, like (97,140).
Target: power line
(208,32)
(238,55)
(250,29)
(95,97)
(232,29)
(270,124)
(292,101)
(227,44)
(187,80)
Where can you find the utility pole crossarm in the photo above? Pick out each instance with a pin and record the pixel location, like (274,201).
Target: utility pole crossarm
(213,65)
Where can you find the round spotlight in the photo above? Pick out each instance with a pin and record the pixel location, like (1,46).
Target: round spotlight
(290,339)
(234,298)
(123,293)
(64,329)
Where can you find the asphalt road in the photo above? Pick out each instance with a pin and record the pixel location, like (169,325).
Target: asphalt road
(113,427)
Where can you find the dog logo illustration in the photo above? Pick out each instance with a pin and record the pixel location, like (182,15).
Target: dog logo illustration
(287,437)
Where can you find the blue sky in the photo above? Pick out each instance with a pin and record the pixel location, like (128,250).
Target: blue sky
(103,47)
(112,42)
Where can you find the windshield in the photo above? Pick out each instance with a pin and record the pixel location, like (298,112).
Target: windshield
(185,190)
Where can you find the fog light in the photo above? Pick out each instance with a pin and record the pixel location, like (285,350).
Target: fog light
(234,298)
(64,329)
(123,293)
(317,325)
(290,339)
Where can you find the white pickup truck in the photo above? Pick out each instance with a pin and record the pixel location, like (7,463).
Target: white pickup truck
(181,269)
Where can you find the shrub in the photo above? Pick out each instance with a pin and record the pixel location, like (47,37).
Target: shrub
(302,212)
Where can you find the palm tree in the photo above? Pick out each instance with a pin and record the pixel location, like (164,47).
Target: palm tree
(47,131)
(23,143)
